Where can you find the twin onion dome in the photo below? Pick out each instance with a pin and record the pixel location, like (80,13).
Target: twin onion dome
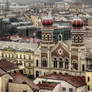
(77,22)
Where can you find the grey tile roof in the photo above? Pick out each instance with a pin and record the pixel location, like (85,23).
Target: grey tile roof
(18,46)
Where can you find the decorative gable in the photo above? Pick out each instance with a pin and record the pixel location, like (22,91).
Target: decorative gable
(59,50)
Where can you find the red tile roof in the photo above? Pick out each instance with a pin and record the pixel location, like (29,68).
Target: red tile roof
(20,78)
(76,81)
(7,66)
(46,86)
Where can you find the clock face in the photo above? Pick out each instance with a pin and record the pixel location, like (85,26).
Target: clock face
(60,51)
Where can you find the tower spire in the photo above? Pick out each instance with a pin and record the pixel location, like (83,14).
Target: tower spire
(77,31)
(47,29)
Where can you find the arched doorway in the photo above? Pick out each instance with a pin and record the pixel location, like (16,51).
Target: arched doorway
(37,73)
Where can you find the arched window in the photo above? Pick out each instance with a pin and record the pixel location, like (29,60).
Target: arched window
(55,63)
(78,39)
(75,66)
(37,73)
(44,63)
(75,39)
(44,37)
(48,36)
(66,64)
(60,37)
(60,63)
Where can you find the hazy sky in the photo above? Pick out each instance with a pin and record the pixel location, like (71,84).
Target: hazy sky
(25,1)
(29,1)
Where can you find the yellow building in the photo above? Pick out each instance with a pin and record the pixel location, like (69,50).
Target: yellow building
(19,53)
(89,79)
(34,19)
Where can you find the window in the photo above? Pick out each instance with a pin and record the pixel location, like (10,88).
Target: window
(29,57)
(55,63)
(20,56)
(88,78)
(27,32)
(48,37)
(24,91)
(70,89)
(44,37)
(29,64)
(60,63)
(2,55)
(44,63)
(78,39)
(66,64)
(60,37)
(37,73)
(9,56)
(83,67)
(37,63)
(24,57)
(75,39)
(63,89)
(16,55)
(34,90)
(88,87)
(75,66)
(5,55)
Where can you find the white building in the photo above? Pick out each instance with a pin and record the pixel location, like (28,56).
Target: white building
(65,83)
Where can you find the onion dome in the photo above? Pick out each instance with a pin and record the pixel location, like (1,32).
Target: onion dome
(77,23)
(47,21)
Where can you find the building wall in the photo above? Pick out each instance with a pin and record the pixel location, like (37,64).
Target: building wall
(14,87)
(89,79)
(79,55)
(82,89)
(89,21)
(22,58)
(4,82)
(56,89)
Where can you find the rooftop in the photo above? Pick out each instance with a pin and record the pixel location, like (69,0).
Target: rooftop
(46,86)
(20,78)
(18,46)
(76,81)
(7,66)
